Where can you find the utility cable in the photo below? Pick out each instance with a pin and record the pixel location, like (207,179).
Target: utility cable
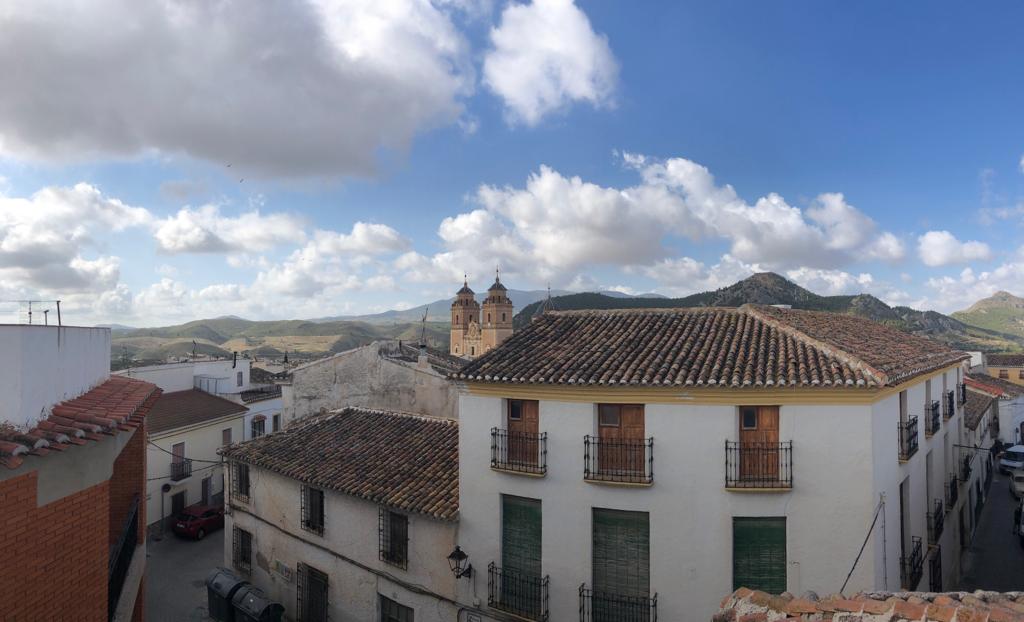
(881,504)
(183,457)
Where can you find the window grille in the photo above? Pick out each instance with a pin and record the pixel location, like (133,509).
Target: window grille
(393,538)
(258,428)
(313,510)
(277,423)
(390,611)
(242,550)
(310,594)
(240,482)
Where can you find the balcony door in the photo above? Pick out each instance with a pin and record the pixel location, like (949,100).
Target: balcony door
(521,554)
(620,429)
(523,425)
(621,566)
(759,442)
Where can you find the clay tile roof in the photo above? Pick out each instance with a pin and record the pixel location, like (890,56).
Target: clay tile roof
(744,604)
(260,394)
(977,405)
(752,346)
(183,408)
(408,462)
(118,404)
(994,386)
(1005,360)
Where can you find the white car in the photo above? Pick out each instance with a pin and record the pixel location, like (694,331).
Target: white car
(1017,483)
(1012,460)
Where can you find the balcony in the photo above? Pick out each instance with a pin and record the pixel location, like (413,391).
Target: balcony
(522,595)
(935,570)
(121,554)
(961,390)
(519,452)
(758,466)
(181,470)
(952,492)
(908,438)
(936,522)
(618,461)
(596,606)
(948,405)
(965,468)
(932,421)
(912,565)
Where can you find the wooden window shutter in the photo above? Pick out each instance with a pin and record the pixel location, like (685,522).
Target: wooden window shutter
(759,554)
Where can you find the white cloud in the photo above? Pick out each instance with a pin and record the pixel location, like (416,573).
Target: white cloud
(941,248)
(1020,164)
(291,89)
(365,239)
(954,293)
(545,55)
(831,282)
(206,230)
(684,275)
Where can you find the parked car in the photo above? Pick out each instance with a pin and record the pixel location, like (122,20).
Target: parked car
(1017,483)
(198,520)
(1013,459)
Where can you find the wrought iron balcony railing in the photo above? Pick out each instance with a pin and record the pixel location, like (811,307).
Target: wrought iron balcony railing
(908,438)
(962,393)
(519,452)
(520,594)
(952,492)
(121,555)
(598,606)
(936,522)
(965,467)
(932,420)
(948,405)
(627,461)
(759,465)
(181,470)
(935,570)
(912,564)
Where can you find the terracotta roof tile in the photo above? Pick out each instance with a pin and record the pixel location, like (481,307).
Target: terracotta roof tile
(409,462)
(1005,360)
(182,408)
(118,404)
(752,346)
(977,405)
(994,386)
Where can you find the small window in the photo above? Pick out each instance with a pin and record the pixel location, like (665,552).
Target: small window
(311,594)
(515,410)
(225,436)
(258,427)
(503,317)
(608,415)
(1020,374)
(1004,374)
(313,510)
(748,418)
(277,423)
(241,551)
(238,378)
(488,318)
(456,319)
(390,611)
(472,350)
(456,348)
(394,538)
(240,490)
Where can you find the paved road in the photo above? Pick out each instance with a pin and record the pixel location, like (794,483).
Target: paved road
(995,560)
(176,571)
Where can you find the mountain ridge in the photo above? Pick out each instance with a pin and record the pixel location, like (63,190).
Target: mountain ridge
(1002,312)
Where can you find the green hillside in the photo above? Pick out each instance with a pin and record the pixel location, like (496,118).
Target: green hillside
(1002,312)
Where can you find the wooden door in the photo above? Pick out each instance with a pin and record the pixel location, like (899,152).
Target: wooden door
(523,427)
(621,432)
(759,442)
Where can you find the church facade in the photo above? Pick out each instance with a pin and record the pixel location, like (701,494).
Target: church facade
(478,328)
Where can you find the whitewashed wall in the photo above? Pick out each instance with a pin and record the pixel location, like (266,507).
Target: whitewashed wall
(170,377)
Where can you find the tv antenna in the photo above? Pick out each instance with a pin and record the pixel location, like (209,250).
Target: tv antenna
(423,327)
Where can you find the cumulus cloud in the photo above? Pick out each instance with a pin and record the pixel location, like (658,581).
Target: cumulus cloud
(290,89)
(957,292)
(206,230)
(941,248)
(681,276)
(545,55)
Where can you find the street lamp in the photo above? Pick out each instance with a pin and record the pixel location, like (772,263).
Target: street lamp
(457,562)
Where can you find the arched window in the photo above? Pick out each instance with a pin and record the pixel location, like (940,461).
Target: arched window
(456,348)
(472,350)
(502,316)
(456,319)
(488,318)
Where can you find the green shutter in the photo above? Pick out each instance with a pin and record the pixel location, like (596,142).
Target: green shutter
(621,553)
(521,535)
(759,554)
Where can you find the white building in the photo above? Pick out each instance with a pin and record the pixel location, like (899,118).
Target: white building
(618,463)
(1009,407)
(348,515)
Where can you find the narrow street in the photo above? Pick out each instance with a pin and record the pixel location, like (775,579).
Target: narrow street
(176,571)
(995,560)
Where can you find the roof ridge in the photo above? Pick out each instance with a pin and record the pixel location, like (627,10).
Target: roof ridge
(852,360)
(331,414)
(642,310)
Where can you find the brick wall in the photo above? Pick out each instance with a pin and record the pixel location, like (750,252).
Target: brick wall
(127,482)
(54,557)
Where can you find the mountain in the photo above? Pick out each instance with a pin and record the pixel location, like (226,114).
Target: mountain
(1002,312)
(771,289)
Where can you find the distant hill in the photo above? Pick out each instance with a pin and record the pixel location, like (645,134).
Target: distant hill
(1002,312)
(770,288)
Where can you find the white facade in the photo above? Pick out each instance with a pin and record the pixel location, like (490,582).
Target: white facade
(1011,419)
(845,459)
(44,365)
(347,552)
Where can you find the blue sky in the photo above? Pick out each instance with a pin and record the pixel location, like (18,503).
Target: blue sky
(332,157)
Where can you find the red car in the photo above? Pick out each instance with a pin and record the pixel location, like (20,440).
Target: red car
(198,520)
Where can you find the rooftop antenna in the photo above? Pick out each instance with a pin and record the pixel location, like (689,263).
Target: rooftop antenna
(423,328)
(193,349)
(124,356)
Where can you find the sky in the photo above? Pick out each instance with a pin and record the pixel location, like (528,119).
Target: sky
(178,159)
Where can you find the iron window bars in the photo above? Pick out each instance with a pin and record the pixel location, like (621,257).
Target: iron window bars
(393,538)
(598,606)
(936,522)
(932,419)
(935,569)
(181,469)
(121,555)
(312,500)
(965,467)
(310,594)
(962,391)
(519,452)
(520,594)
(952,492)
(240,482)
(908,438)
(759,465)
(241,550)
(912,565)
(618,460)
(949,405)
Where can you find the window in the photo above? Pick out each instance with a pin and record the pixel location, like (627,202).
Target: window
(310,594)
(515,410)
(225,436)
(521,535)
(238,379)
(608,415)
(393,531)
(390,611)
(472,350)
(313,510)
(748,418)
(240,482)
(258,426)
(241,551)
(1004,374)
(502,316)
(621,564)
(1020,374)
(277,423)
(488,318)
(759,554)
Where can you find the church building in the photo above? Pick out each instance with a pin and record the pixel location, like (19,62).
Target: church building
(477,329)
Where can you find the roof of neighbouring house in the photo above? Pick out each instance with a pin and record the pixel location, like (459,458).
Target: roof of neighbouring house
(405,461)
(977,405)
(749,346)
(260,394)
(184,408)
(441,361)
(744,604)
(118,404)
(258,375)
(1005,360)
(994,386)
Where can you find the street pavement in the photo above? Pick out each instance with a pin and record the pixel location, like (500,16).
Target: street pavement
(176,571)
(995,559)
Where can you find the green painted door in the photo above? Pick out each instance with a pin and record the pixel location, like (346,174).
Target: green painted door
(520,556)
(621,566)
(759,554)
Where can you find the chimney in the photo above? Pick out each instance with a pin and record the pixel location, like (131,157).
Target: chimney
(422,361)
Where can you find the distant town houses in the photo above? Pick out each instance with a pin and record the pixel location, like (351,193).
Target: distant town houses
(1009,367)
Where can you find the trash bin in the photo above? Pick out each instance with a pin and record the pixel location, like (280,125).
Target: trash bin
(252,605)
(221,586)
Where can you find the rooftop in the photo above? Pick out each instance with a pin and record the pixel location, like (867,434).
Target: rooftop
(749,346)
(977,405)
(408,462)
(260,394)
(118,404)
(184,408)
(1005,360)
(994,386)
